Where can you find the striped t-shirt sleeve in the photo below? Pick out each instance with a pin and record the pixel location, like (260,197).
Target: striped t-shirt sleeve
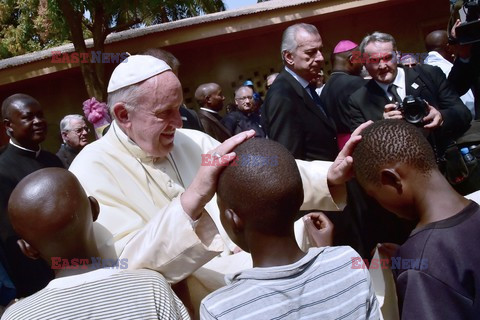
(139,294)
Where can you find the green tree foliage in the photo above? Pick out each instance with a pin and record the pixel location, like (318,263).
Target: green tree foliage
(32,25)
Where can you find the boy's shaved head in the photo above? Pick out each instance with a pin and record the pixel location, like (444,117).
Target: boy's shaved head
(387,142)
(50,210)
(265,188)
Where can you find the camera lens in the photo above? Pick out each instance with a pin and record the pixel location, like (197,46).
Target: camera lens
(413,114)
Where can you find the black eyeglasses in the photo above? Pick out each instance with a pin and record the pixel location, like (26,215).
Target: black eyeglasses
(80,130)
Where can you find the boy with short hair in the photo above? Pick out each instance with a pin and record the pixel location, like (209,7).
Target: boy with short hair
(54,217)
(259,196)
(437,268)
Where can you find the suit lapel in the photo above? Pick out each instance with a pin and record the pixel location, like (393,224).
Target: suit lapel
(413,83)
(310,104)
(212,118)
(377,100)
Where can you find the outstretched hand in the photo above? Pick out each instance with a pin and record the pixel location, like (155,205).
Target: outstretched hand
(204,185)
(341,169)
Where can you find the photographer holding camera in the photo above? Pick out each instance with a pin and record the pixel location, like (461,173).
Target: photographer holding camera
(465,72)
(421,95)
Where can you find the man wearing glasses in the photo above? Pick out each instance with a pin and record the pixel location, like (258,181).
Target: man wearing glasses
(246,116)
(74,133)
(447,118)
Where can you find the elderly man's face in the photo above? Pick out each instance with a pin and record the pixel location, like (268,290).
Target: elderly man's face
(244,100)
(153,121)
(307,60)
(381,61)
(76,136)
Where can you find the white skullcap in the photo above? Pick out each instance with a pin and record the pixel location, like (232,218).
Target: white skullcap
(135,69)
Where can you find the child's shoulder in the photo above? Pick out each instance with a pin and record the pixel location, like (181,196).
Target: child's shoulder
(336,253)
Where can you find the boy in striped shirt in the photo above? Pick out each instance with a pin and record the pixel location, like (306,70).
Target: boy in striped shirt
(54,217)
(259,197)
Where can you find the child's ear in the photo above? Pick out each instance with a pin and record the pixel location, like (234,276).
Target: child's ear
(234,220)
(95,207)
(391,178)
(28,250)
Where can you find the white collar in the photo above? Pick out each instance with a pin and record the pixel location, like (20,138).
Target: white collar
(20,147)
(209,110)
(399,81)
(128,143)
(304,83)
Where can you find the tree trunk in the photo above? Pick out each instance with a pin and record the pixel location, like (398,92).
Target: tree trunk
(92,73)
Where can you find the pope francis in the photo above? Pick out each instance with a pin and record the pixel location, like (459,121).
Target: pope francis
(157,203)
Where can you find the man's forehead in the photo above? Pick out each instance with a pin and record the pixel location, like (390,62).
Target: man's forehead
(24,107)
(306,39)
(379,47)
(243,90)
(77,122)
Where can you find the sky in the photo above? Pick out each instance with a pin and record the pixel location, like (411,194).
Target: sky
(234,4)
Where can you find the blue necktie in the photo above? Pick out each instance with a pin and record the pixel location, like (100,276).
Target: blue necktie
(316,98)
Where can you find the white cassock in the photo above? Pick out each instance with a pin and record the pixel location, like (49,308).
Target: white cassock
(140,210)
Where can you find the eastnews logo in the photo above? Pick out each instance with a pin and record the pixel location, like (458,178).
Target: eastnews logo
(396,263)
(89,57)
(92,263)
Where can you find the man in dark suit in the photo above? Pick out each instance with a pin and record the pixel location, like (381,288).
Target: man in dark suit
(210,98)
(27,128)
(292,112)
(344,80)
(447,117)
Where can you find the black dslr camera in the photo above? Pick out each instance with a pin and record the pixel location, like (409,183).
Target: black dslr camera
(414,109)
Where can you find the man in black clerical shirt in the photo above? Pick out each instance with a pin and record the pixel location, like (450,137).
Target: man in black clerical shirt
(26,126)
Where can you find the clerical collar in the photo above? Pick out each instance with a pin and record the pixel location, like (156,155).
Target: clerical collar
(304,83)
(209,110)
(20,147)
(339,72)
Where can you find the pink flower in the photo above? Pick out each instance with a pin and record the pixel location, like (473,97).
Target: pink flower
(96,112)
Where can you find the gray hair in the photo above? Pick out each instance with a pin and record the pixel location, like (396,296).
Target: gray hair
(126,95)
(289,40)
(65,122)
(377,37)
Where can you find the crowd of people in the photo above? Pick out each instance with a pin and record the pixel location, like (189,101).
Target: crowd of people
(220,219)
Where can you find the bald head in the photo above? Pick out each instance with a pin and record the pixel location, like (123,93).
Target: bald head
(24,120)
(438,41)
(209,95)
(16,101)
(50,210)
